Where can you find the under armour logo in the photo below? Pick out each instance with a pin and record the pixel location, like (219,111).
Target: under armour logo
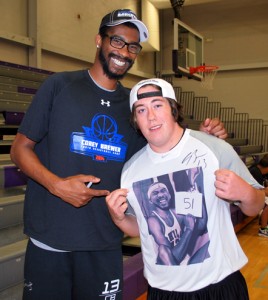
(105,103)
(29,286)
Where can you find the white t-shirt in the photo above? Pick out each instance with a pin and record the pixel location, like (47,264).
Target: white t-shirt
(211,251)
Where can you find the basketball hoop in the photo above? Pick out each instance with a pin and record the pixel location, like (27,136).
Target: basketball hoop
(208,75)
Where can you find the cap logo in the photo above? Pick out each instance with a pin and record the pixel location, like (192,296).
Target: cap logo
(125,14)
(148,81)
(121,16)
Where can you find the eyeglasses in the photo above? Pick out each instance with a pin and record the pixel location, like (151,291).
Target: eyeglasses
(119,43)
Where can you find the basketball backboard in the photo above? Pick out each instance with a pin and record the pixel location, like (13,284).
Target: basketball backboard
(187,50)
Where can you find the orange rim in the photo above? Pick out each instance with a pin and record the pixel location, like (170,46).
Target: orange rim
(202,69)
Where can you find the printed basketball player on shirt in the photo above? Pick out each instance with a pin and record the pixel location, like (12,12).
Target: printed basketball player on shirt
(178,238)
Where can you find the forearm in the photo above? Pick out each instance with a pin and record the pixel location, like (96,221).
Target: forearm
(28,162)
(128,225)
(253,202)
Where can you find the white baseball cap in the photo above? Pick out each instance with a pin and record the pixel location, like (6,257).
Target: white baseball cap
(167,90)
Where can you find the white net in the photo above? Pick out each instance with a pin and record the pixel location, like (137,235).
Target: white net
(208,78)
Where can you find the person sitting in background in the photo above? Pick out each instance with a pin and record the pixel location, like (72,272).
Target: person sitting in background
(260,172)
(207,256)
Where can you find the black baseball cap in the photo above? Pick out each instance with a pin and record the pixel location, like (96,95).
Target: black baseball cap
(121,16)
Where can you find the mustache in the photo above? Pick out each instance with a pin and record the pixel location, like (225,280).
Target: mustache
(120,57)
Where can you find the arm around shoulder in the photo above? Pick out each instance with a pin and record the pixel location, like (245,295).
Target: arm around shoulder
(214,127)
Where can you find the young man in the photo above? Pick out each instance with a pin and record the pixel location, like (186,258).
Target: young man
(260,172)
(77,132)
(202,175)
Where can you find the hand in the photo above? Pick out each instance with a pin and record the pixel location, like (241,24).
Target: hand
(73,189)
(117,204)
(230,186)
(215,127)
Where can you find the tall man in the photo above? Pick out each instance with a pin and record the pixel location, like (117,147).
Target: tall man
(77,131)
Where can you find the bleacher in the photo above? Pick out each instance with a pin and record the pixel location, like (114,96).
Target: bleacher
(18,85)
(249,137)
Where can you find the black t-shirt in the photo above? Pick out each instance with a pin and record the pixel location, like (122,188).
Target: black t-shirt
(79,129)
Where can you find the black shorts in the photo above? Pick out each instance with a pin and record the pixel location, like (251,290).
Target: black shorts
(233,287)
(78,275)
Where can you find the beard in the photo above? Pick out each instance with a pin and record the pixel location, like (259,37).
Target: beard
(105,66)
